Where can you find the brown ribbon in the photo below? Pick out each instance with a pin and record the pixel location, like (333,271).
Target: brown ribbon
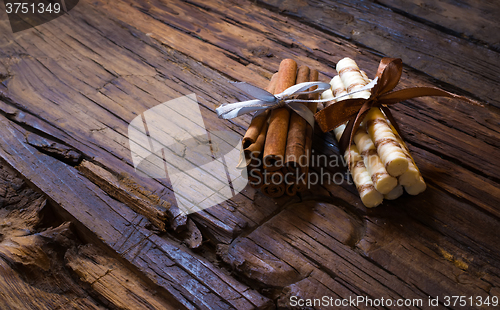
(354,110)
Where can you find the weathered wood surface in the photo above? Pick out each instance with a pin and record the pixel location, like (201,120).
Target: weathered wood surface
(443,56)
(34,255)
(69,89)
(192,280)
(448,16)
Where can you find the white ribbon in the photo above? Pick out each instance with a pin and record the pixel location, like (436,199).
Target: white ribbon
(265,100)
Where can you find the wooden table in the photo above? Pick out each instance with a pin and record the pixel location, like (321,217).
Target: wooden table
(69,89)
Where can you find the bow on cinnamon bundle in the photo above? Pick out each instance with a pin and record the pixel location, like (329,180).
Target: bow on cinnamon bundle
(277,146)
(379,160)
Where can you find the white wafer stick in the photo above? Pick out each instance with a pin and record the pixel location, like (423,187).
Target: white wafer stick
(354,79)
(385,141)
(362,179)
(367,192)
(382,181)
(388,149)
(412,179)
(395,193)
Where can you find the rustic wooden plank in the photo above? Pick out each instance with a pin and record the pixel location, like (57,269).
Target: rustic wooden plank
(113,224)
(28,244)
(34,256)
(439,214)
(102,136)
(440,115)
(18,295)
(472,20)
(399,256)
(448,58)
(226,32)
(221,232)
(130,56)
(113,282)
(456,196)
(319,243)
(228,235)
(137,198)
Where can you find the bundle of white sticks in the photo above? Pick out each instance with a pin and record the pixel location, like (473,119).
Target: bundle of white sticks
(380,162)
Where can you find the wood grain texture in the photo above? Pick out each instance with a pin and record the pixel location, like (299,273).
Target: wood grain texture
(35,251)
(471,20)
(31,273)
(133,195)
(113,282)
(309,38)
(120,229)
(69,89)
(108,144)
(453,60)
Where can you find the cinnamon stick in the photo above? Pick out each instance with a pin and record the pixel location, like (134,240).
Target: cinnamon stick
(295,143)
(274,149)
(255,177)
(274,185)
(255,127)
(313,77)
(291,189)
(313,106)
(252,144)
(273,190)
(255,149)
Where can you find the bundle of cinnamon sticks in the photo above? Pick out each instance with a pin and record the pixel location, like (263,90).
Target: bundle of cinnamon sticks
(277,144)
(379,160)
